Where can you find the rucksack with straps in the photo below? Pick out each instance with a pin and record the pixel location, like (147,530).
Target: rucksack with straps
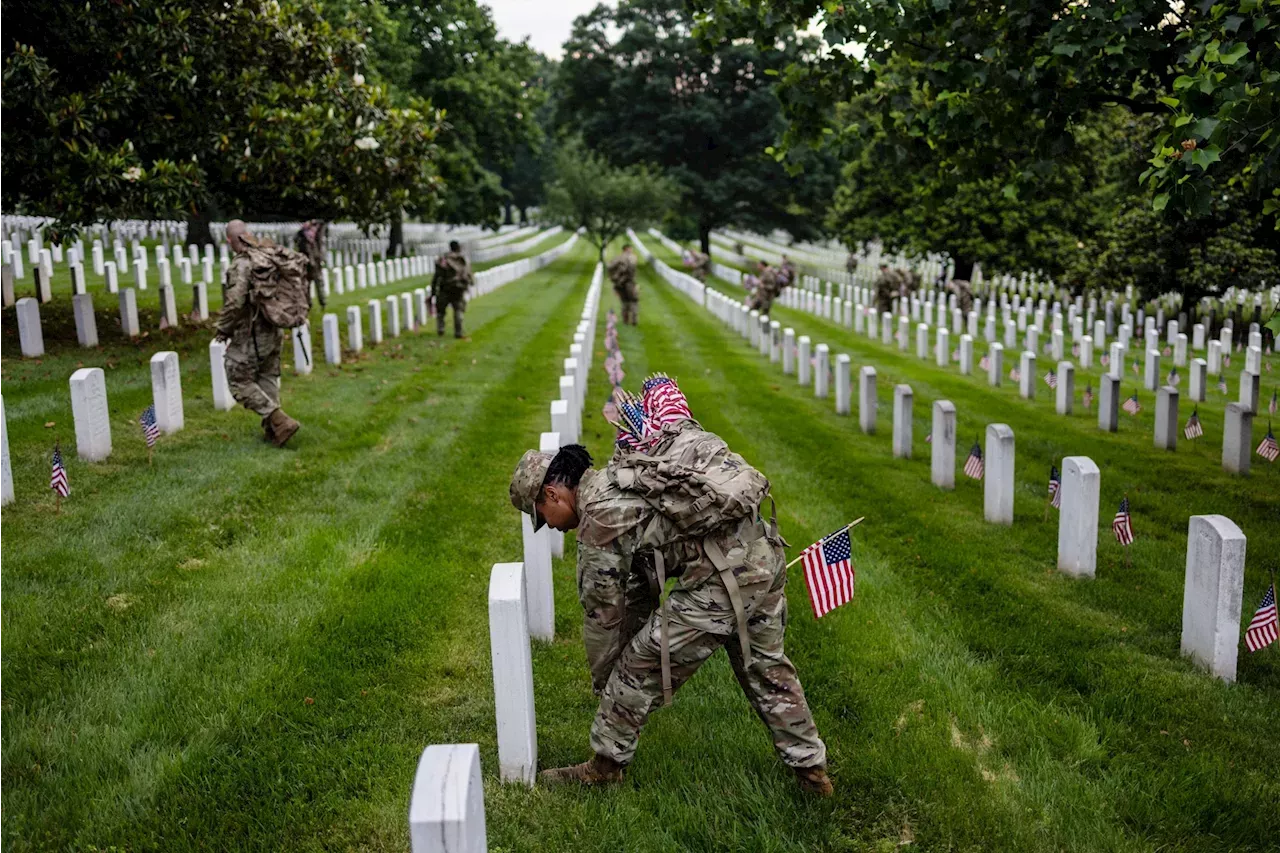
(279,286)
(692,478)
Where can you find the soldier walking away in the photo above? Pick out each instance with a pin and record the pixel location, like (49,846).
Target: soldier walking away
(266,291)
(681,505)
(622,272)
(449,287)
(767,290)
(701,265)
(310,242)
(894,284)
(786,273)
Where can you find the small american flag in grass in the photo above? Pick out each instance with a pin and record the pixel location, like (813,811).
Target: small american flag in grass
(1088,396)
(1136,371)
(1226,360)
(1106,360)
(58,475)
(1014,374)
(1131,405)
(1264,627)
(984,364)
(1268,449)
(1122,525)
(1271,407)
(1174,378)
(1055,487)
(1051,379)
(928,439)
(1166,352)
(1222,385)
(974,466)
(1193,429)
(828,572)
(150,430)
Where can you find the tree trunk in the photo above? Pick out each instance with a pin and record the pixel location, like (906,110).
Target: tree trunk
(964,269)
(198,233)
(506,215)
(704,238)
(395,247)
(524,216)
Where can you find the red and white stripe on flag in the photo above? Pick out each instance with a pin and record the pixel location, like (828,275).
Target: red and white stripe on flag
(1262,629)
(828,573)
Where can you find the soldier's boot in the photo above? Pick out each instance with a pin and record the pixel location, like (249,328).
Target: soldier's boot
(268,434)
(598,771)
(282,427)
(814,780)
(457,325)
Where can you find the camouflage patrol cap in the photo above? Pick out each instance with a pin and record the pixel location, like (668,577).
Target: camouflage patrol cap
(526,483)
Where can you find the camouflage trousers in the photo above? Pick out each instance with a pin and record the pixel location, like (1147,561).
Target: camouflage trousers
(634,688)
(253,368)
(459,304)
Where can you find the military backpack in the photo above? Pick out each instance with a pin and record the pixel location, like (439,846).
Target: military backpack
(694,479)
(279,286)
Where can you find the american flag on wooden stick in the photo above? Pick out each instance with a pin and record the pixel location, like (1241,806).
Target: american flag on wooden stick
(985,363)
(1264,627)
(1055,487)
(150,430)
(1174,378)
(974,466)
(1121,525)
(1014,374)
(1051,379)
(828,572)
(1166,352)
(1222,385)
(1131,405)
(1268,449)
(58,476)
(1193,429)
(1106,359)
(1088,395)
(1271,407)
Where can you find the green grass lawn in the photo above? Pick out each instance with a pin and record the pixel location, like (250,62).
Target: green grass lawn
(245,648)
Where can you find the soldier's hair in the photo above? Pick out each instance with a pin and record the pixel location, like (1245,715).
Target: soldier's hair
(626,246)
(453,246)
(568,466)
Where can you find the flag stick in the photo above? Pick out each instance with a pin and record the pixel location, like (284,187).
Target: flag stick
(57,503)
(828,536)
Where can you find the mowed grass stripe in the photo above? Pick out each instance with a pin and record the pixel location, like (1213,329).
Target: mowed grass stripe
(194,737)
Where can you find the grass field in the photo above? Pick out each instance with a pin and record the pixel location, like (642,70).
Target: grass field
(243,648)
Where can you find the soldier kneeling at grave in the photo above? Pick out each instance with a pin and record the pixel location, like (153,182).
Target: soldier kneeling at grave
(674,502)
(266,292)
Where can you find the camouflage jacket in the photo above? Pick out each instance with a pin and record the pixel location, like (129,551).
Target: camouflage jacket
(622,272)
(452,276)
(313,249)
(236,311)
(616,527)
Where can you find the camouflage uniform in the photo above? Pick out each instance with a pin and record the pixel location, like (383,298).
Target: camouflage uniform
(618,535)
(253,346)
(449,288)
(313,248)
(766,291)
(701,266)
(964,295)
(893,284)
(786,274)
(622,272)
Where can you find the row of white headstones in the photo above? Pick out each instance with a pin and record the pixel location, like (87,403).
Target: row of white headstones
(91,413)
(858,315)
(446,807)
(1214,587)
(334,279)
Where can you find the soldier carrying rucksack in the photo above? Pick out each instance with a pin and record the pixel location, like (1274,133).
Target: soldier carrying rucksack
(449,287)
(266,291)
(674,502)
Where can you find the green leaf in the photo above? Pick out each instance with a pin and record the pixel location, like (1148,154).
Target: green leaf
(1204,157)
(1182,120)
(772,72)
(1182,81)
(1066,49)
(1205,127)
(1160,202)
(1168,101)
(1237,51)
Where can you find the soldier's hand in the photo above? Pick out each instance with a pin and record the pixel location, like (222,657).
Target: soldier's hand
(221,337)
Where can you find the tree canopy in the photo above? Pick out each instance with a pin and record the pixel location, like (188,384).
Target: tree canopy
(602,199)
(636,86)
(161,108)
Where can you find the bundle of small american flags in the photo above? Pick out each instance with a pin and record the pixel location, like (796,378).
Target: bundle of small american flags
(1268,449)
(642,419)
(1131,405)
(1265,625)
(829,574)
(1193,429)
(1121,525)
(1055,487)
(1051,379)
(58,476)
(974,466)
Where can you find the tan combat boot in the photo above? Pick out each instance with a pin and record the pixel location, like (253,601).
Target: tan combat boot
(267,433)
(598,771)
(282,427)
(814,780)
